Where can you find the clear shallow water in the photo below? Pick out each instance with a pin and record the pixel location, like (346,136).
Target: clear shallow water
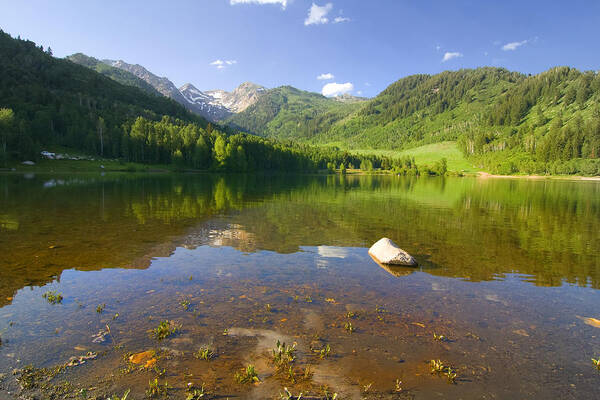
(508,273)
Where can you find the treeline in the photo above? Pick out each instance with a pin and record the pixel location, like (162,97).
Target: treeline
(172,141)
(504,122)
(547,124)
(50,102)
(56,102)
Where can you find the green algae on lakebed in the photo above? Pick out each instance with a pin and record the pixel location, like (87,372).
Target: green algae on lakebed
(506,269)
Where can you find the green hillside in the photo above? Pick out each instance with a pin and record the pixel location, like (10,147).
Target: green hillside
(47,103)
(430,154)
(503,122)
(119,75)
(289,113)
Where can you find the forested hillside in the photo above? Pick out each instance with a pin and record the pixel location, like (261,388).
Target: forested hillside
(46,101)
(503,121)
(548,123)
(56,102)
(119,75)
(290,113)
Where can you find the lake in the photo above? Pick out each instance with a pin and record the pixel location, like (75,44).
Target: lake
(505,295)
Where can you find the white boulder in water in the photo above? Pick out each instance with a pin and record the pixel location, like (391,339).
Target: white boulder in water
(387,252)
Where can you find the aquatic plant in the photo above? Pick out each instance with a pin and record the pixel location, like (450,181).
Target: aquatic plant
(325,352)
(290,375)
(268,307)
(204,353)
(348,326)
(52,297)
(367,387)
(327,395)
(164,330)
(248,375)
(287,395)
(597,363)
(437,366)
(283,354)
(116,397)
(30,377)
(308,299)
(450,375)
(100,308)
(398,387)
(439,338)
(185,304)
(351,314)
(156,389)
(194,393)
(307,372)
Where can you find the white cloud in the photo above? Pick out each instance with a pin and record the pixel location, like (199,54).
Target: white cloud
(220,64)
(318,14)
(325,77)
(332,252)
(514,45)
(449,55)
(261,2)
(338,20)
(335,89)
(438,47)
(359,93)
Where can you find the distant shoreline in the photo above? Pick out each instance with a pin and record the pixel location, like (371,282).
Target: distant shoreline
(485,175)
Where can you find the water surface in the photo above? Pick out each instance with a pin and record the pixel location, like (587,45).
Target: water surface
(508,274)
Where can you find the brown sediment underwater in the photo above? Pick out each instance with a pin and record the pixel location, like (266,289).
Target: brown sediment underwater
(505,294)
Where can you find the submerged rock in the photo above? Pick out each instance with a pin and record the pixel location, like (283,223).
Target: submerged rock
(386,251)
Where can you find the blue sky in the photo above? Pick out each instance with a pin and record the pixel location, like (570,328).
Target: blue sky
(364,45)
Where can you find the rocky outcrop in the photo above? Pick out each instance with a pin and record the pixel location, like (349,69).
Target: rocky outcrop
(386,251)
(241,98)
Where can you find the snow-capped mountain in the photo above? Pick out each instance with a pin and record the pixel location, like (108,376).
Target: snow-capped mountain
(221,104)
(204,103)
(241,98)
(214,105)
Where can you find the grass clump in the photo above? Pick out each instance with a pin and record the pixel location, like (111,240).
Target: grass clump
(438,367)
(325,352)
(52,297)
(287,395)
(194,393)
(185,304)
(283,354)
(247,375)
(348,327)
(124,397)
(164,330)
(205,353)
(596,363)
(156,389)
